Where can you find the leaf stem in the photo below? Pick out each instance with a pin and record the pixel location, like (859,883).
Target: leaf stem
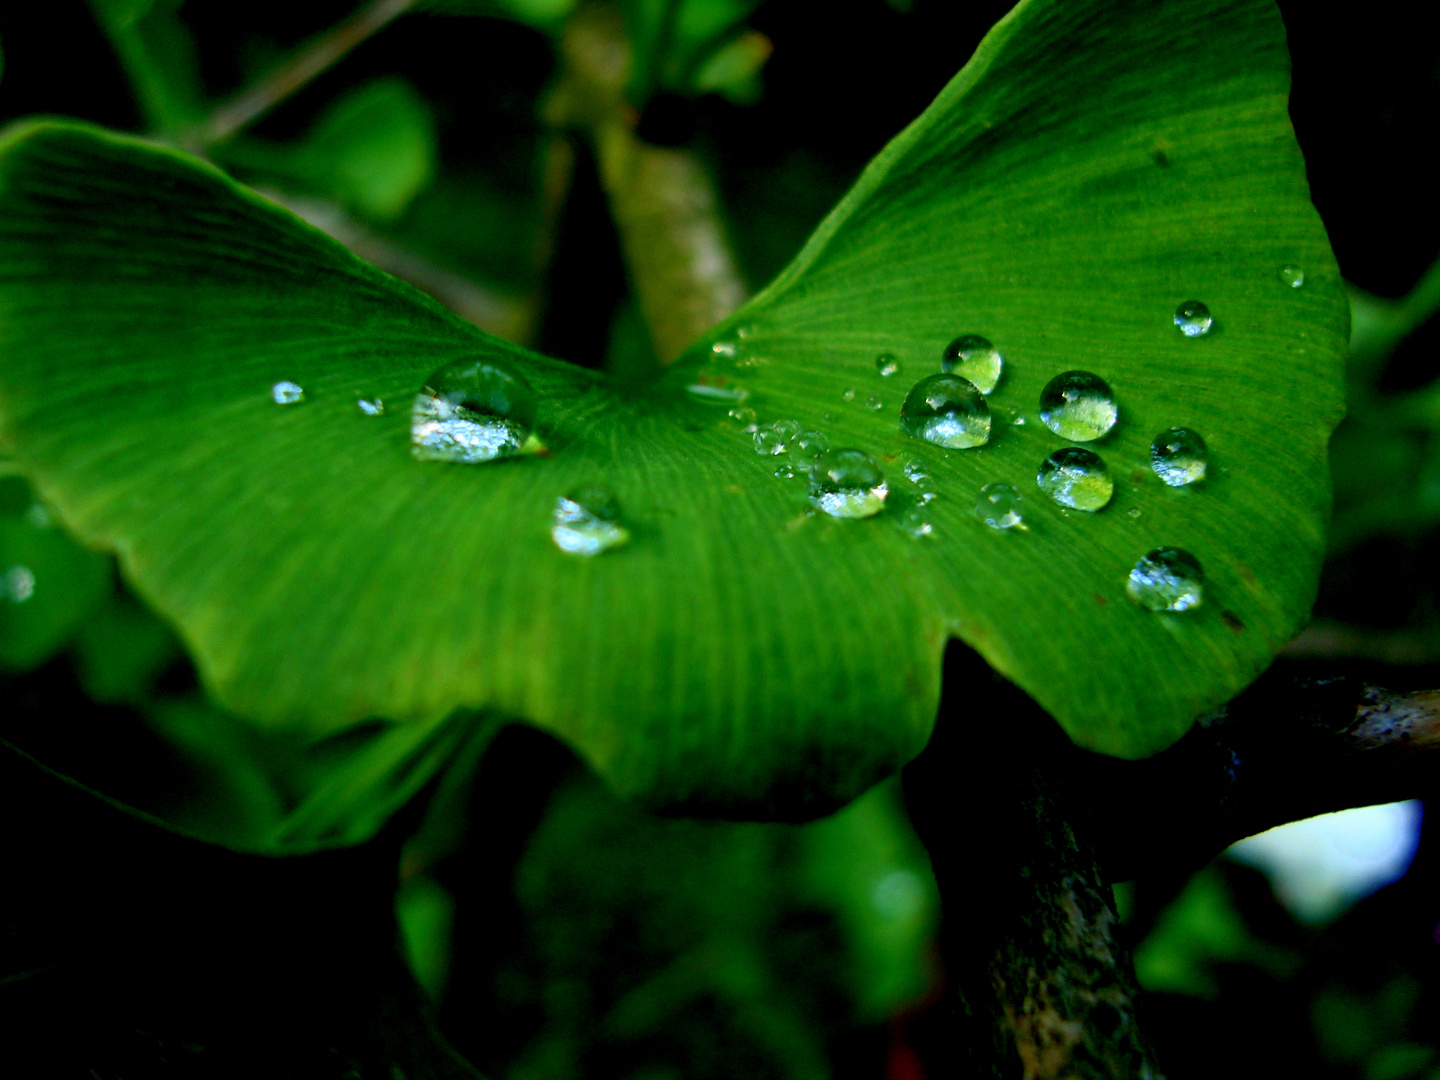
(663,199)
(313,59)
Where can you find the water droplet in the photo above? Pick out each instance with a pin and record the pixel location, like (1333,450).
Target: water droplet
(1077,478)
(915,520)
(1019,420)
(287,393)
(1078,406)
(17,584)
(725,349)
(807,446)
(887,364)
(1167,579)
(716,389)
(916,474)
(946,410)
(471,411)
(371,406)
(745,417)
(1292,275)
(1178,456)
(999,506)
(587,522)
(874,403)
(776,438)
(1133,513)
(1193,318)
(849,394)
(973,357)
(848,484)
(784,471)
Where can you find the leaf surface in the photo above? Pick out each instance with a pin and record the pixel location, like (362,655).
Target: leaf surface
(1095,165)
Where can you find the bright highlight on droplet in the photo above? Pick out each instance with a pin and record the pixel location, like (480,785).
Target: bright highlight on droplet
(848,484)
(17,584)
(1192,318)
(371,406)
(1292,275)
(587,522)
(946,410)
(807,446)
(915,521)
(1179,456)
(973,357)
(1076,478)
(471,411)
(887,364)
(1078,406)
(1167,579)
(999,507)
(287,393)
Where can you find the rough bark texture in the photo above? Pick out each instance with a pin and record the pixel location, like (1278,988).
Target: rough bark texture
(1040,981)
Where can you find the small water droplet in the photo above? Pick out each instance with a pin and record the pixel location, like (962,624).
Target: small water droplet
(776,437)
(745,417)
(717,389)
(725,349)
(1133,513)
(887,364)
(915,520)
(587,522)
(874,403)
(807,446)
(471,411)
(848,484)
(946,410)
(784,471)
(916,474)
(371,406)
(1193,318)
(1178,456)
(1078,406)
(17,584)
(1292,275)
(1167,579)
(999,506)
(973,357)
(1077,478)
(849,394)
(1019,420)
(287,393)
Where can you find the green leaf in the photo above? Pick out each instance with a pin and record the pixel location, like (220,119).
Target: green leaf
(49,584)
(1093,166)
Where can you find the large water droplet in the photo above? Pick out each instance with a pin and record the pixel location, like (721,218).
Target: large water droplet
(371,406)
(587,522)
(874,403)
(1178,456)
(948,411)
(1193,318)
(1078,406)
(887,364)
(287,393)
(1167,579)
(17,584)
(973,357)
(1077,478)
(999,506)
(471,411)
(848,484)
(1292,275)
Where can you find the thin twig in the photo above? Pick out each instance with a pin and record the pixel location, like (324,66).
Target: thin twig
(314,59)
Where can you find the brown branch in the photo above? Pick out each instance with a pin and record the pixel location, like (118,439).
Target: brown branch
(314,59)
(1040,980)
(663,199)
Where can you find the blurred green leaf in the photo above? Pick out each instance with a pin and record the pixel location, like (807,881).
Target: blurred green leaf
(49,584)
(121,649)
(734,68)
(541,14)
(673,41)
(158,56)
